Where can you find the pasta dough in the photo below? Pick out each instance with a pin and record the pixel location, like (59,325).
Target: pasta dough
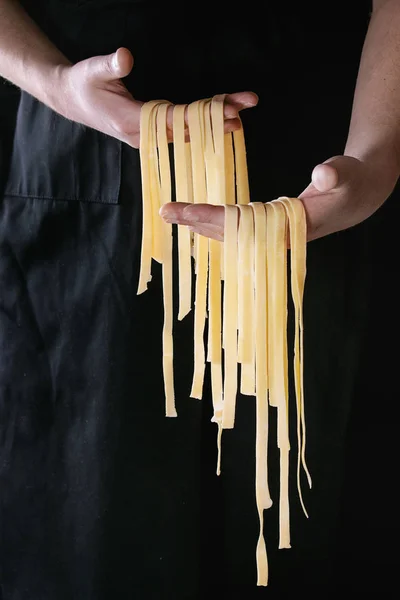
(241,286)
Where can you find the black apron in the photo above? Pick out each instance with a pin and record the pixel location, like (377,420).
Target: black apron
(102,496)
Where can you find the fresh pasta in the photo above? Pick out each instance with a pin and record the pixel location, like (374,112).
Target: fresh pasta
(241,286)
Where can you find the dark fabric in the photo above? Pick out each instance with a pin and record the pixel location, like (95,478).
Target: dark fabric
(103,497)
(9,100)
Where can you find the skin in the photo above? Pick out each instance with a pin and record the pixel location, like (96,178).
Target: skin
(89,92)
(344,190)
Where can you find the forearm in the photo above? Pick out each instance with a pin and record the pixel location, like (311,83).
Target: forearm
(27,57)
(374,133)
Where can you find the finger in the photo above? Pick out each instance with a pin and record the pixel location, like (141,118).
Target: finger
(208,232)
(204,214)
(233,104)
(123,62)
(172,211)
(325,177)
(109,67)
(232,125)
(335,173)
(170,120)
(239,101)
(330,176)
(216,230)
(194,214)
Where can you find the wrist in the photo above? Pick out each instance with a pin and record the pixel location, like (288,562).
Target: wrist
(382,164)
(52,87)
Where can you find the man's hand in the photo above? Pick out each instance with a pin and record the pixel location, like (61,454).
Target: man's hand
(205,219)
(92,92)
(343,192)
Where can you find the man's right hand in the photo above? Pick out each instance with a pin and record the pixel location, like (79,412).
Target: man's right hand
(92,93)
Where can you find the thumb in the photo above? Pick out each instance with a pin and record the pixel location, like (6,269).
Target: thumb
(336,172)
(325,177)
(111,66)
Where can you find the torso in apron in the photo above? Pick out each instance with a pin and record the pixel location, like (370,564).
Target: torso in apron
(102,496)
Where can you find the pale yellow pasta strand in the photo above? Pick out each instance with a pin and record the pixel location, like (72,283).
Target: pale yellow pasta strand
(218,136)
(215,165)
(298,244)
(182,195)
(243,198)
(213,124)
(165,189)
(277,359)
(300,231)
(277,307)
(188,152)
(241,171)
(246,309)
(196,131)
(230,192)
(273,306)
(147,207)
(230,316)
(155,187)
(263,497)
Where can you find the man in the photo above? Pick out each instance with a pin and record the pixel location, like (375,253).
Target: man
(101,496)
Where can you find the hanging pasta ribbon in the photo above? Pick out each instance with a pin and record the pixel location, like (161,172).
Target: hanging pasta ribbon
(241,286)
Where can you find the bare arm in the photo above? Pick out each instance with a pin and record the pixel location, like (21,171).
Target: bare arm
(345,190)
(90,92)
(27,57)
(374,133)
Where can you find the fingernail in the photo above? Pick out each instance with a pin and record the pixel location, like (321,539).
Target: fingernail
(114,62)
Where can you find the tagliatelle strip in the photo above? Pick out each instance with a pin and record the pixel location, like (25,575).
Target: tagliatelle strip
(155,188)
(246,307)
(230,197)
(197,133)
(242,177)
(165,197)
(230,321)
(277,359)
(242,286)
(214,168)
(147,205)
(298,236)
(263,498)
(182,187)
(214,146)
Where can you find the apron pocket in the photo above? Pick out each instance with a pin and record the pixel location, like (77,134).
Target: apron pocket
(54,158)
